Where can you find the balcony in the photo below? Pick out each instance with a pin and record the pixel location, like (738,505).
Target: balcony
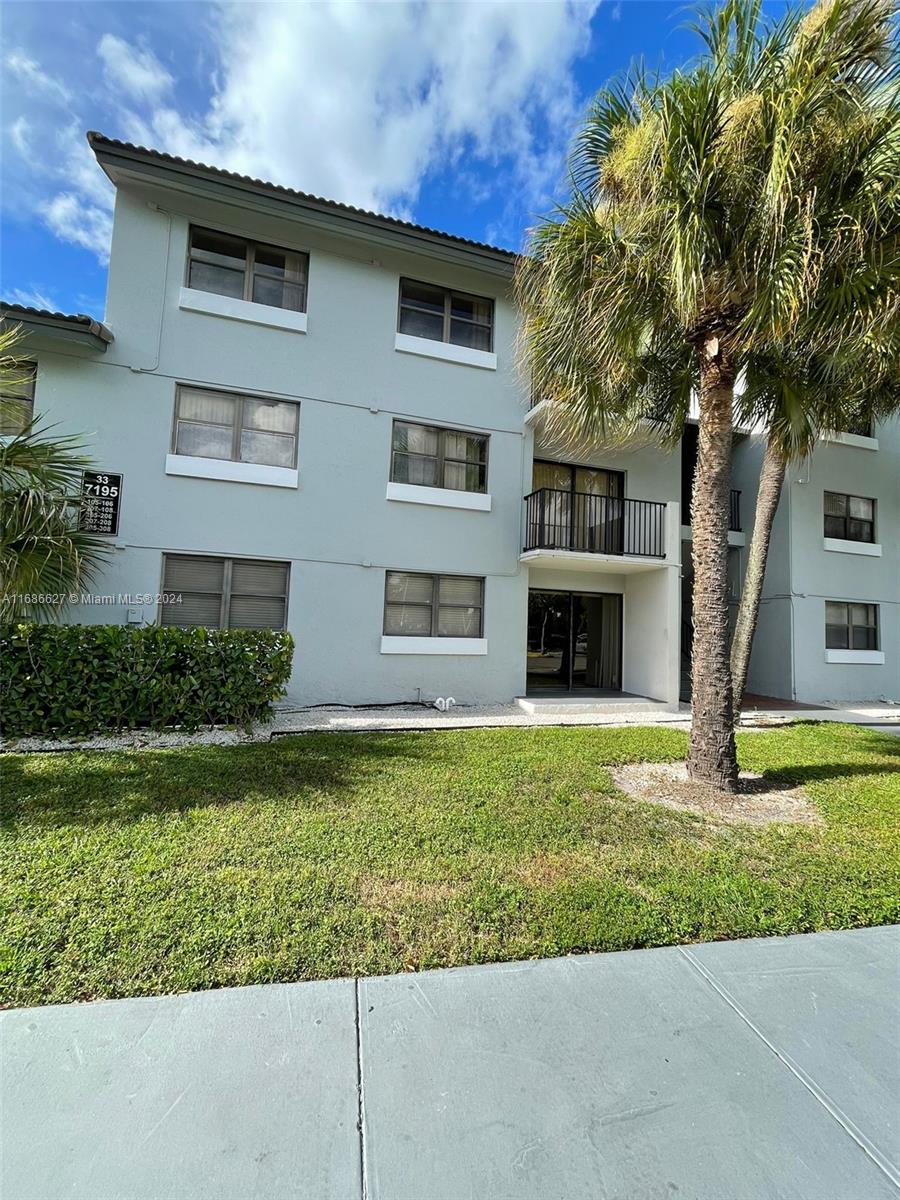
(588,524)
(734,510)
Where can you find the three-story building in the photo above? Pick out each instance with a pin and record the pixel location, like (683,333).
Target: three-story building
(320,426)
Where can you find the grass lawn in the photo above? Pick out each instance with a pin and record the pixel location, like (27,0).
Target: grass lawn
(134,873)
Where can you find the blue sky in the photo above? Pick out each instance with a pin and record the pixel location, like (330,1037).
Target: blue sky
(456,115)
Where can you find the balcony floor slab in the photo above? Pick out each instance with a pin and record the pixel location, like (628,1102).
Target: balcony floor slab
(583,560)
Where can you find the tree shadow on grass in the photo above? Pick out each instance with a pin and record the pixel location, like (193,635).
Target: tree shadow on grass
(796,775)
(316,772)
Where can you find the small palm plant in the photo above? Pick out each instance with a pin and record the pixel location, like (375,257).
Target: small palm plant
(43,555)
(746,206)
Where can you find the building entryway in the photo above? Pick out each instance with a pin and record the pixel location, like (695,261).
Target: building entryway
(574,642)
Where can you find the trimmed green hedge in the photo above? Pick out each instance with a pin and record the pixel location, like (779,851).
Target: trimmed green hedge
(78,679)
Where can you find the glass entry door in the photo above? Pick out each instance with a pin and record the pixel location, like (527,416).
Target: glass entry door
(581,507)
(574,641)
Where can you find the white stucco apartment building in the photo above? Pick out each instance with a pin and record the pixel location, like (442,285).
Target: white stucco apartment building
(320,426)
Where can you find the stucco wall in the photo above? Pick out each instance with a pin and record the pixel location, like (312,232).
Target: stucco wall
(337,529)
(789,650)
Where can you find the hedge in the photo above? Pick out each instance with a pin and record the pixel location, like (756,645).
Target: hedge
(81,679)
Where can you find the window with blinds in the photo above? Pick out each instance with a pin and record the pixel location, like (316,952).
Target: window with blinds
(230,266)
(225,593)
(17,398)
(238,428)
(418,605)
(431,456)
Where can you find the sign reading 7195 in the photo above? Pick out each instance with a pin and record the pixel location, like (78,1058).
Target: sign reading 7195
(101,492)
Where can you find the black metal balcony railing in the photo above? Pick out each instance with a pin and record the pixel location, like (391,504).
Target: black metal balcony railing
(563,520)
(734,511)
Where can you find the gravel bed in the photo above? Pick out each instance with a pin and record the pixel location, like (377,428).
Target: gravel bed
(139,739)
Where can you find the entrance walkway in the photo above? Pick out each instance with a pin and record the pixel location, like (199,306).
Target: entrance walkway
(755,1070)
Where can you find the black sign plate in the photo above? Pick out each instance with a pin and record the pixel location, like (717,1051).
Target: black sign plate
(101,495)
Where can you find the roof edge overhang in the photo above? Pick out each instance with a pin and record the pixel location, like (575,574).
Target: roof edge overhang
(125,164)
(78,328)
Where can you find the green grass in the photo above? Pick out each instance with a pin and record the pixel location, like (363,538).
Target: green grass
(137,873)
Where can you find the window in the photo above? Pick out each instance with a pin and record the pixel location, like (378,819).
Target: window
(444,316)
(239,428)
(849,517)
(861,425)
(433,605)
(18,398)
(225,593)
(851,626)
(430,456)
(229,266)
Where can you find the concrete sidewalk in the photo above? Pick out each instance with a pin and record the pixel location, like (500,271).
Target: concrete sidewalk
(290,719)
(747,1070)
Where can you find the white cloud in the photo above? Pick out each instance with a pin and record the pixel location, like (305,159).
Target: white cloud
(73,220)
(20,131)
(29,73)
(32,298)
(137,73)
(357,102)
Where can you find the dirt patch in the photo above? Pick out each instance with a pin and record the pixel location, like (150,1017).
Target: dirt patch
(387,893)
(546,870)
(758,801)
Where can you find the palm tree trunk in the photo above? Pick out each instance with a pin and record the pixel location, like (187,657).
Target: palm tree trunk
(712,757)
(771,479)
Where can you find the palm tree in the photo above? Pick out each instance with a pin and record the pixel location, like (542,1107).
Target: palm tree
(796,397)
(735,208)
(43,555)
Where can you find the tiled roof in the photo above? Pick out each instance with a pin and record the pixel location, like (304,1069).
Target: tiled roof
(99,142)
(24,311)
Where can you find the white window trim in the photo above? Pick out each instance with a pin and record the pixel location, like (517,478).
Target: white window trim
(392,644)
(847,546)
(872,658)
(851,439)
(413,493)
(234,472)
(427,348)
(242,310)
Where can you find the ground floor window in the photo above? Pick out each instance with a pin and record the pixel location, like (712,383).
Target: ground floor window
(574,641)
(419,605)
(224,593)
(850,626)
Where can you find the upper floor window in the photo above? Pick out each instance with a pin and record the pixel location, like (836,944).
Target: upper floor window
(851,626)
(442,315)
(417,605)
(238,428)
(849,517)
(431,456)
(861,425)
(17,398)
(230,266)
(225,593)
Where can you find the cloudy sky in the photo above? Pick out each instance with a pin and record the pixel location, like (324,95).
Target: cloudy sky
(453,114)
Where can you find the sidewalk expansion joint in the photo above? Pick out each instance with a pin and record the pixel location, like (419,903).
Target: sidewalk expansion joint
(360,1103)
(871,1151)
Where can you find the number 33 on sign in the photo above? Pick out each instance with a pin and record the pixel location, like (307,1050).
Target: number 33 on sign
(101,494)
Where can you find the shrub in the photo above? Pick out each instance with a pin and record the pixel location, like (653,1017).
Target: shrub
(80,679)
